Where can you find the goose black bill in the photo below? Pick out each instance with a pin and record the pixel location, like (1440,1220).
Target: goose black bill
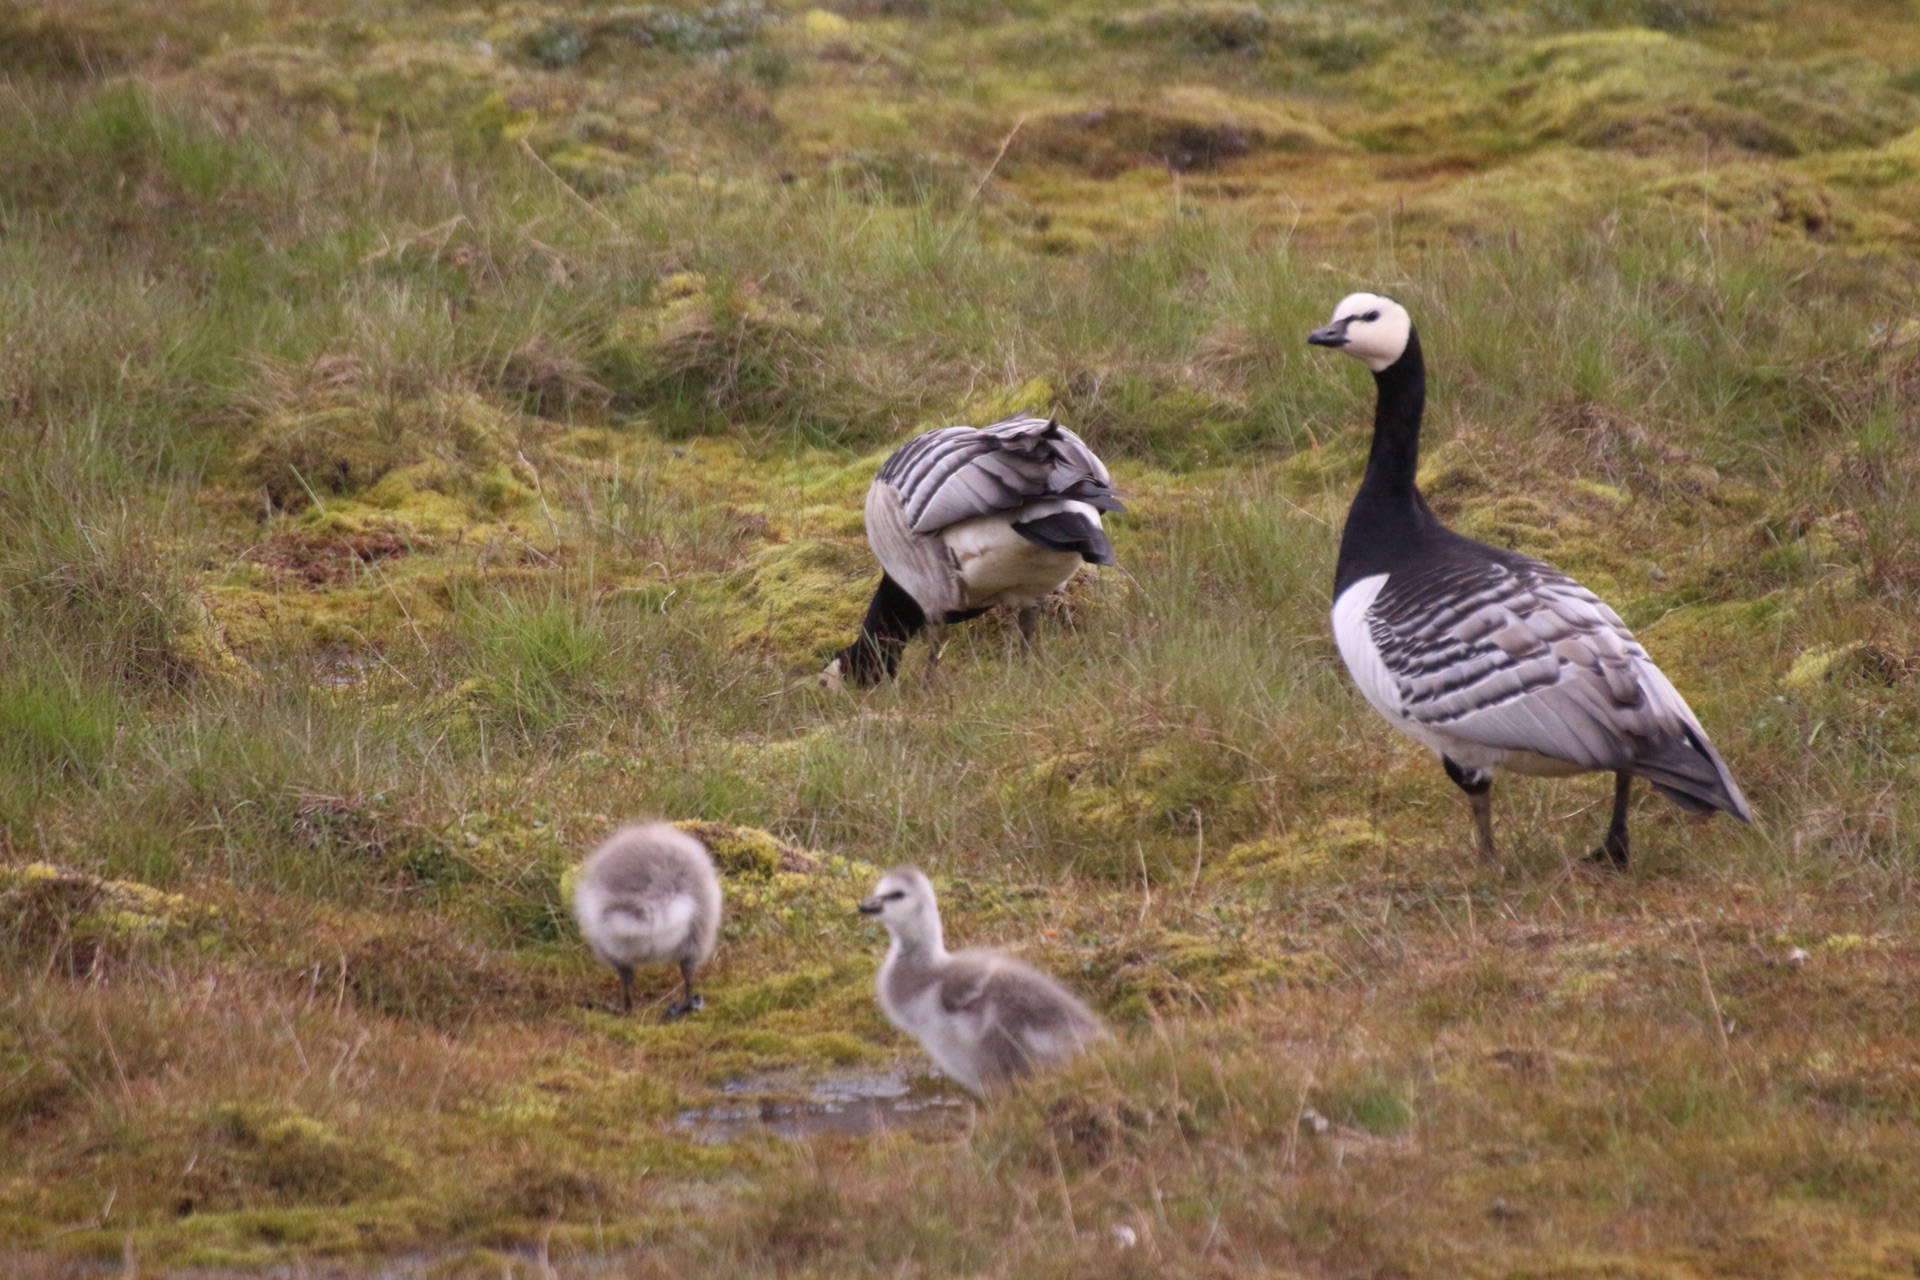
(1332,335)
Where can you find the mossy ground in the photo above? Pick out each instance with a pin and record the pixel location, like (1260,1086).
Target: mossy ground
(439,436)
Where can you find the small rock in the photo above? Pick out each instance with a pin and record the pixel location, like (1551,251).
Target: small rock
(1797,957)
(1313,1121)
(1124,1236)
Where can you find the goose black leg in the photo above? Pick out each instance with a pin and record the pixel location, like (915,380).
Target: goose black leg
(692,1003)
(1479,789)
(626,988)
(1029,620)
(1614,851)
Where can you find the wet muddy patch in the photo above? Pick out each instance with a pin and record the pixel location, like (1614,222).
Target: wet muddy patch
(845,1104)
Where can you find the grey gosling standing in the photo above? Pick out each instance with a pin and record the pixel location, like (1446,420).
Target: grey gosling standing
(649,895)
(963,519)
(986,1018)
(1493,659)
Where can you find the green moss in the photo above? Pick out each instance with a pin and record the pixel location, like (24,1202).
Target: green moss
(341,442)
(1327,42)
(1892,164)
(74,920)
(1111,799)
(749,851)
(1034,396)
(1305,854)
(254,1153)
(1833,663)
(1186,129)
(1767,198)
(1162,970)
(799,600)
(701,357)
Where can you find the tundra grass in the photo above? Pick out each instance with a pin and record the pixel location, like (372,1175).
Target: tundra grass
(439,435)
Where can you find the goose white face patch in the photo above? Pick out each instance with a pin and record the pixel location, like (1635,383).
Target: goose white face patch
(1375,327)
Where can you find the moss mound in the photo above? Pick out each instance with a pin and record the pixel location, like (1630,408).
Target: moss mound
(77,922)
(700,357)
(337,438)
(1162,970)
(1647,91)
(749,851)
(252,1156)
(440,980)
(800,600)
(1186,129)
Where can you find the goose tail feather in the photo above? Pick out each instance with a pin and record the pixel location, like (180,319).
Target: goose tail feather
(1069,531)
(1689,772)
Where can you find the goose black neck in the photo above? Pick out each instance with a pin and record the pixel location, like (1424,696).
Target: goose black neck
(893,618)
(1389,518)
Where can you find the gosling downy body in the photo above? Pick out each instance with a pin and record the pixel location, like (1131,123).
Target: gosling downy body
(986,1019)
(649,895)
(1493,659)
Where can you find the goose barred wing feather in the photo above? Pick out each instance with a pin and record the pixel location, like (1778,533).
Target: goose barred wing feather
(958,473)
(1513,655)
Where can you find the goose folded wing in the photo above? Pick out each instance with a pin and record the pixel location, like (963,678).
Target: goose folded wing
(1020,1015)
(967,992)
(1515,655)
(958,473)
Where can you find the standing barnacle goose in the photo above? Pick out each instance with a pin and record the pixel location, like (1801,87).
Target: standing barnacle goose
(963,519)
(1494,659)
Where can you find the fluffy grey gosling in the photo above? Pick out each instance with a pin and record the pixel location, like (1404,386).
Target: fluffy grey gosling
(987,1019)
(649,896)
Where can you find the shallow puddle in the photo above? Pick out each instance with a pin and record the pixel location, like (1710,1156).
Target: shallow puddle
(848,1104)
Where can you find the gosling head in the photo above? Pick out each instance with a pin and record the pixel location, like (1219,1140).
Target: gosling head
(1370,327)
(903,901)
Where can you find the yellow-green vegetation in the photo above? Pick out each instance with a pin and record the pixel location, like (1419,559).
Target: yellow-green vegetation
(437,435)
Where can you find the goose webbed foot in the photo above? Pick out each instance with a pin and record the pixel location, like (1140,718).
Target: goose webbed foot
(681,1008)
(1609,857)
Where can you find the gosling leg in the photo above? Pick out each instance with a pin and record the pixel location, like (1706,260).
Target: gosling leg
(691,1003)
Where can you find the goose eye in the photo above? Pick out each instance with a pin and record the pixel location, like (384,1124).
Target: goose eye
(894,896)
(1370,317)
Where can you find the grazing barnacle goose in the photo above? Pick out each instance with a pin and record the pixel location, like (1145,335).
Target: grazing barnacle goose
(1492,658)
(985,1018)
(649,895)
(963,519)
